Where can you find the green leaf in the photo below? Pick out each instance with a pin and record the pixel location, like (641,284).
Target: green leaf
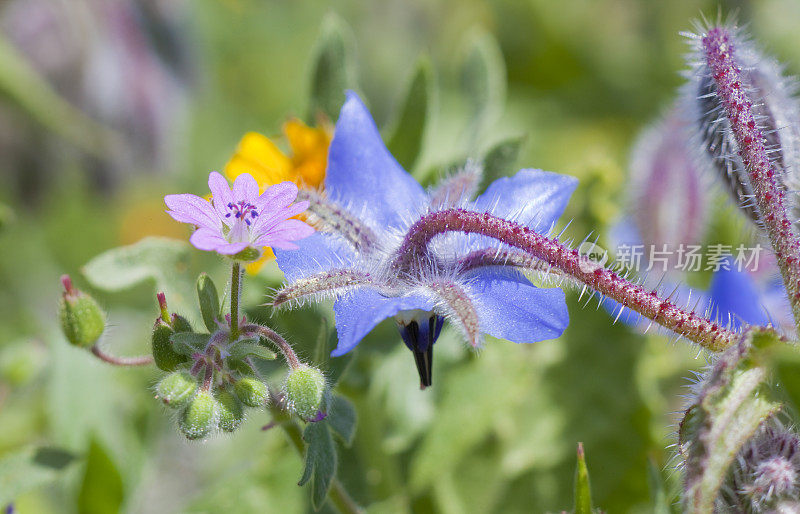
(250,348)
(483,80)
(320,462)
(29,468)
(730,406)
(661,503)
(499,161)
(333,70)
(209,301)
(342,418)
(786,366)
(102,490)
(161,260)
(411,117)
(189,343)
(583,492)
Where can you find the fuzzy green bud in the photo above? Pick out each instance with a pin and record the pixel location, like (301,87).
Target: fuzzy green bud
(251,391)
(164,355)
(304,388)
(200,416)
(82,319)
(231,411)
(176,389)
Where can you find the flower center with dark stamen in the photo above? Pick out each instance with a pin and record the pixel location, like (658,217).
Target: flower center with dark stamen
(242,210)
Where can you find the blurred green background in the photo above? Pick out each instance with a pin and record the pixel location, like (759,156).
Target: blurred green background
(105,106)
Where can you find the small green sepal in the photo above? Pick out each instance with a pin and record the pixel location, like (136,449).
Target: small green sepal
(176,389)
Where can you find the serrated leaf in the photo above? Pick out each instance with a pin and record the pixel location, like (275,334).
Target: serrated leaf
(320,462)
(332,71)
(29,468)
(209,301)
(342,418)
(411,117)
(161,260)
(483,80)
(499,161)
(583,492)
(250,348)
(189,343)
(101,490)
(730,406)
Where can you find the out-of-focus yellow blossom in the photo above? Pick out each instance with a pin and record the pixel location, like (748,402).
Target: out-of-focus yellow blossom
(305,165)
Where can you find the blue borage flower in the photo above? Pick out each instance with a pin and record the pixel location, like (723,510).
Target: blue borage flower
(474,282)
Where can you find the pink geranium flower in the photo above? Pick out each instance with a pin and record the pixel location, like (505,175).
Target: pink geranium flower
(239,218)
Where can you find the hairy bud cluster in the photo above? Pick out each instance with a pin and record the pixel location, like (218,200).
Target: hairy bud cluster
(766,473)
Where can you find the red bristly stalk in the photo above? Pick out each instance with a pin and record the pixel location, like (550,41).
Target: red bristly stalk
(770,198)
(702,331)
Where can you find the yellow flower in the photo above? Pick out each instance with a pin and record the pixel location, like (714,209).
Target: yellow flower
(305,165)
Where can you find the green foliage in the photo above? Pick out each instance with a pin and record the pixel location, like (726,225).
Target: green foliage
(583,491)
(102,490)
(500,159)
(162,261)
(483,80)
(209,301)
(332,71)
(728,410)
(320,461)
(342,418)
(250,348)
(29,468)
(412,115)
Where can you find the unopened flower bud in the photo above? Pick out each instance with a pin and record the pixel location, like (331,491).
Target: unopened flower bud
(304,388)
(200,416)
(176,389)
(231,411)
(164,355)
(251,391)
(82,319)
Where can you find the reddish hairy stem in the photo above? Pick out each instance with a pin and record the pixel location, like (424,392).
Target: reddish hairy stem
(702,331)
(770,197)
(280,342)
(144,360)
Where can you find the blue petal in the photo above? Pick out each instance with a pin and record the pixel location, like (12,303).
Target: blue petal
(359,312)
(317,252)
(364,176)
(510,307)
(734,292)
(532,197)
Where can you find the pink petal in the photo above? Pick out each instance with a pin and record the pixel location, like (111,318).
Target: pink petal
(263,223)
(207,239)
(220,192)
(277,196)
(192,209)
(284,232)
(245,188)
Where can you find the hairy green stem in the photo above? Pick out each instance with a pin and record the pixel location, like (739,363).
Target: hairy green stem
(236,279)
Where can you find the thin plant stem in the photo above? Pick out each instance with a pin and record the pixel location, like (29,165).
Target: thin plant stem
(236,279)
(143,360)
(275,338)
(703,331)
